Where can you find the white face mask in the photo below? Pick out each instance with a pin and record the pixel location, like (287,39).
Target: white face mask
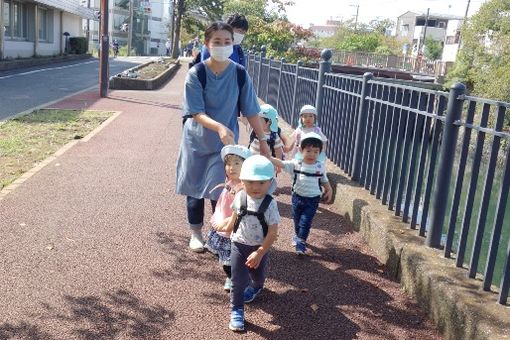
(238,38)
(221,53)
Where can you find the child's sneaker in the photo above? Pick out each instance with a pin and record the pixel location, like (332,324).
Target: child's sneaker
(294,240)
(236,320)
(300,247)
(251,293)
(228,285)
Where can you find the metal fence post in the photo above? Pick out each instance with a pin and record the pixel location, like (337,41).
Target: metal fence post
(294,95)
(268,79)
(444,170)
(361,127)
(282,61)
(262,56)
(324,67)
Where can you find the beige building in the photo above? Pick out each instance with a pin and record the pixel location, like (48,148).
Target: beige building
(37,27)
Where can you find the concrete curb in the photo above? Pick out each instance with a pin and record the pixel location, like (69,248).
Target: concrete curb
(24,63)
(455,303)
(20,180)
(122,83)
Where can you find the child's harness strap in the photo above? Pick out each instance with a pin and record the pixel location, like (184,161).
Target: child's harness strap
(309,174)
(271,140)
(243,211)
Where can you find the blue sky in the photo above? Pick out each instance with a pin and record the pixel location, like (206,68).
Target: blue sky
(317,12)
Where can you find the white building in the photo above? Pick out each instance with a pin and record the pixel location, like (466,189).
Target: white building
(451,43)
(412,26)
(151,24)
(36,27)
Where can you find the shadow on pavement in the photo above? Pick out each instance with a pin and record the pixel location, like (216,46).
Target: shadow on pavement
(115,314)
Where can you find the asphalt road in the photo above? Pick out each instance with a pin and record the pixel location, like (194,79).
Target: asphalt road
(28,88)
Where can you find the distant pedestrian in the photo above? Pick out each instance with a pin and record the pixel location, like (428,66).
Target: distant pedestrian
(309,185)
(254,227)
(211,105)
(219,242)
(239,24)
(168,45)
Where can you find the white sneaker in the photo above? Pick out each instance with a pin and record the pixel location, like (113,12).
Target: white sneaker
(196,243)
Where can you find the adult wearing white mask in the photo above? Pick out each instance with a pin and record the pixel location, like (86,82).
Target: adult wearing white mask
(213,97)
(240,26)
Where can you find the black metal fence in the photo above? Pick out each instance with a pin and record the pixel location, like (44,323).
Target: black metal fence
(435,158)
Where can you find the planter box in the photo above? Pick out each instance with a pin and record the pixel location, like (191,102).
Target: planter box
(118,82)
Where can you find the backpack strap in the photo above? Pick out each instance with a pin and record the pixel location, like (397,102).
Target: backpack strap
(253,135)
(240,53)
(202,78)
(271,142)
(201,74)
(309,174)
(243,211)
(241,79)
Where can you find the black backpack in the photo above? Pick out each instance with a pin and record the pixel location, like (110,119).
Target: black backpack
(195,60)
(271,141)
(202,77)
(243,211)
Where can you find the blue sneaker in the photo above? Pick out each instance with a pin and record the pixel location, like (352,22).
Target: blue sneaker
(294,240)
(228,284)
(300,247)
(236,320)
(251,293)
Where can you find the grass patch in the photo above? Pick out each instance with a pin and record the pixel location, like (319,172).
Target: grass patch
(29,139)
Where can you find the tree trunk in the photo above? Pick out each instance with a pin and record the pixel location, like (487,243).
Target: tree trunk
(177,37)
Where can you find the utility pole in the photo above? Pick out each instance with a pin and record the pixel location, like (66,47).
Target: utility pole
(130,28)
(422,41)
(172,29)
(467,10)
(88,27)
(464,22)
(356,20)
(105,48)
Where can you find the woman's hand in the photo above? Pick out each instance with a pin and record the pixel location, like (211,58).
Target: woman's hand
(226,135)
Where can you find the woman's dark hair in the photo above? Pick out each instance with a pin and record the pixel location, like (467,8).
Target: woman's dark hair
(237,20)
(217,26)
(313,142)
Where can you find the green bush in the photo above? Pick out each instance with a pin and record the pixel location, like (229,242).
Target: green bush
(78,45)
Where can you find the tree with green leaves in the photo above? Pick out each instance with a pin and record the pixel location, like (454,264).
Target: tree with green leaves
(483,62)
(433,49)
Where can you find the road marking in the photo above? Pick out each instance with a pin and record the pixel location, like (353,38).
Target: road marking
(47,69)
(49,103)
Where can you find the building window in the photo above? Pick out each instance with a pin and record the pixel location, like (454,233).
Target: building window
(7,17)
(43,24)
(20,20)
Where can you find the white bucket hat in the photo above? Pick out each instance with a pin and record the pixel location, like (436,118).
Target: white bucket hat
(308,109)
(238,150)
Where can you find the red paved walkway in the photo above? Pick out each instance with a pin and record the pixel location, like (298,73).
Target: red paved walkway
(96,248)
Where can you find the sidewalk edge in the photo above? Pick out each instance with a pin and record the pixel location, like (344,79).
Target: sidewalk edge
(20,180)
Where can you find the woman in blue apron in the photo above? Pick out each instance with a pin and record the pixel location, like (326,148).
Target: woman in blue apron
(213,97)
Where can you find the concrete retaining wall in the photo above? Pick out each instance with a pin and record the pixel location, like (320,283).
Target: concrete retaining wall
(457,304)
(123,83)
